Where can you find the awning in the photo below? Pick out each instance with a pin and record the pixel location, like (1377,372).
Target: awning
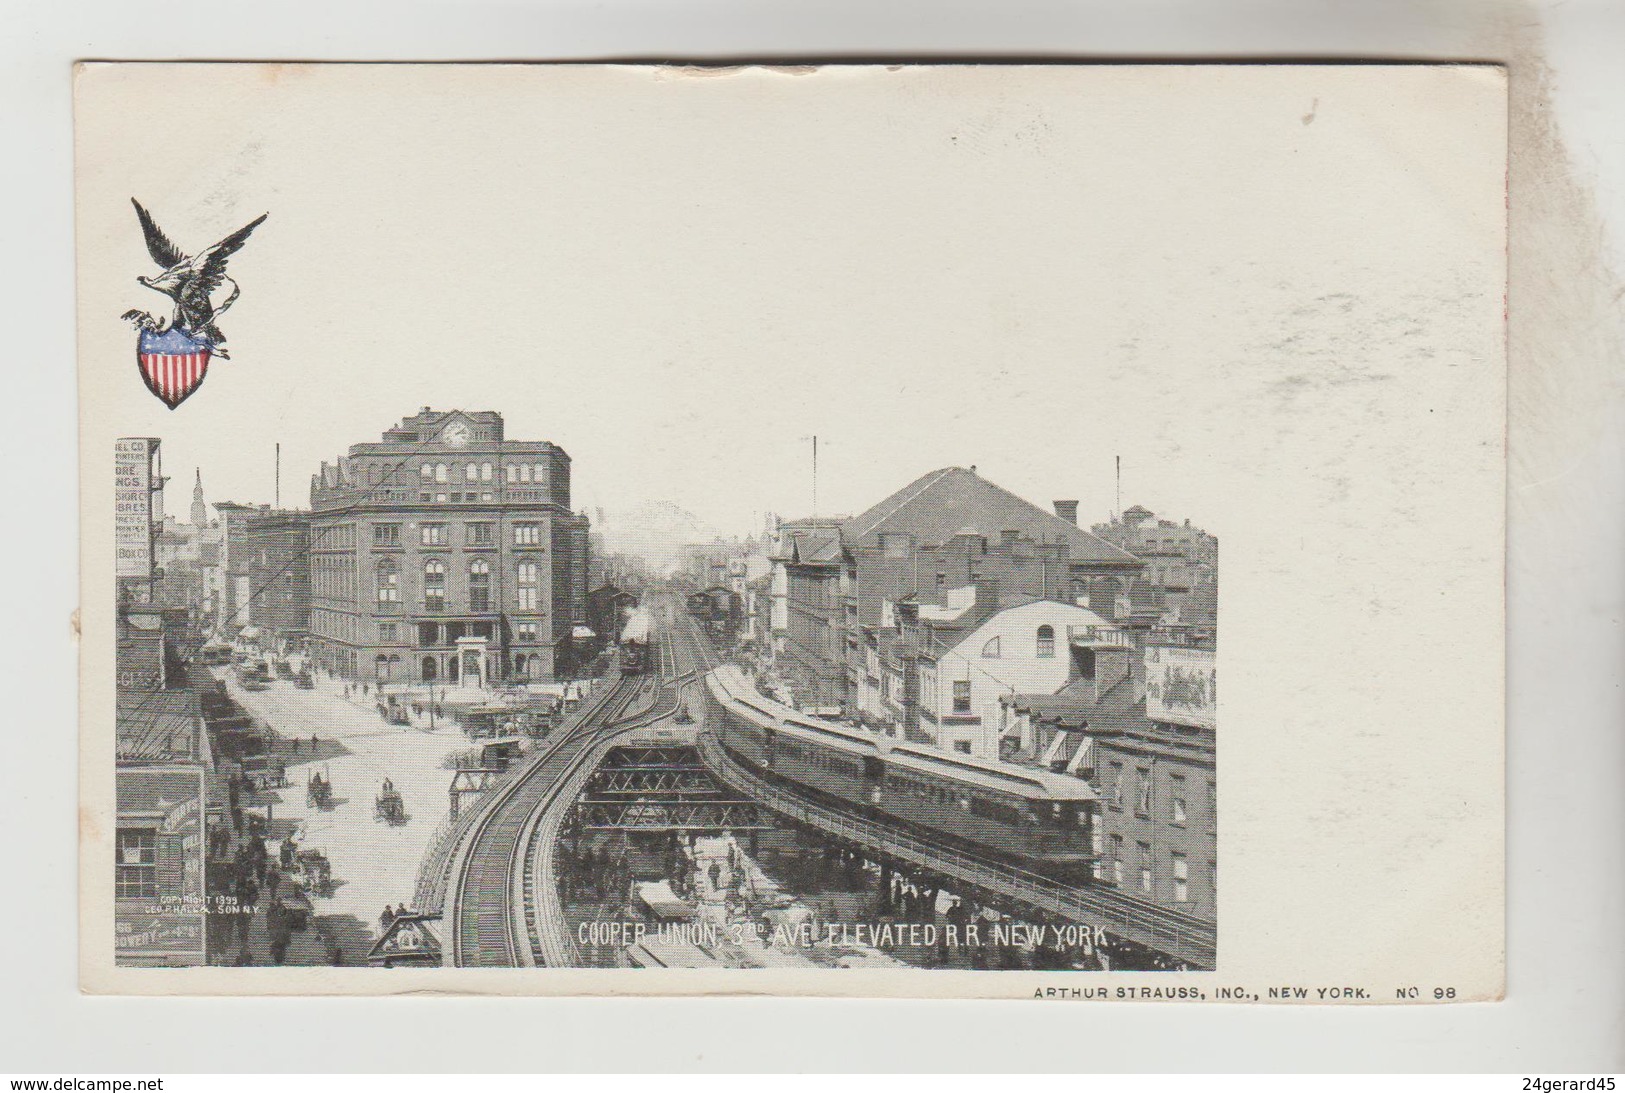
(583,632)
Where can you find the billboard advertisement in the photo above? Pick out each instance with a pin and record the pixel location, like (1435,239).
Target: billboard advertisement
(132,521)
(1181,686)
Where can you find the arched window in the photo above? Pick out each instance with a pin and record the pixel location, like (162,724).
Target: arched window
(428,668)
(426,472)
(440,474)
(513,472)
(389,582)
(485,472)
(1046,641)
(524,472)
(991,649)
(479,585)
(471,473)
(434,585)
(394,666)
(541,472)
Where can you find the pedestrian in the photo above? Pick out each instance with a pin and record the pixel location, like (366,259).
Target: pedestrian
(387,919)
(313,743)
(296,745)
(273,879)
(400,910)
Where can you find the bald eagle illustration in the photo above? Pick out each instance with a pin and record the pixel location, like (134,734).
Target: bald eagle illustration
(190,282)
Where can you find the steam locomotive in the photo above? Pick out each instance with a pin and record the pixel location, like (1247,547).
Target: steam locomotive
(1040,821)
(637,639)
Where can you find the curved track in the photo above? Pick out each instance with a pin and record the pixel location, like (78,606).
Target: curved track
(490,903)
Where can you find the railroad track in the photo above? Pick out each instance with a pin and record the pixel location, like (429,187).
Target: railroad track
(503,908)
(491,904)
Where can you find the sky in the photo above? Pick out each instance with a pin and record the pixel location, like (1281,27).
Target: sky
(681,280)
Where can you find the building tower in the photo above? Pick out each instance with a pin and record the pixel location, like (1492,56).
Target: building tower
(200,511)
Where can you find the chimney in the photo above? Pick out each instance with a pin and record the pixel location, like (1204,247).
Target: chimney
(1067,510)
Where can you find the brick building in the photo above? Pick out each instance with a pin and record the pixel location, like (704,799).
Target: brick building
(446,553)
(946,530)
(1140,727)
(267,573)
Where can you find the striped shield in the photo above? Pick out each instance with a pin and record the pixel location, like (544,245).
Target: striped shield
(173,364)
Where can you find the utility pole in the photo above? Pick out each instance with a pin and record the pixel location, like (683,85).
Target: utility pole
(1119,487)
(277,493)
(814,440)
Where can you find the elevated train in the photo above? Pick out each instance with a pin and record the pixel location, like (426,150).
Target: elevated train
(637,642)
(1033,819)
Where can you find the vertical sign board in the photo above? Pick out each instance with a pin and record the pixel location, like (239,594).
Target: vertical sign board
(1181,686)
(132,525)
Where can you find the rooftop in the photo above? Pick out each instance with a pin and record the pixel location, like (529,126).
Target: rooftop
(953,500)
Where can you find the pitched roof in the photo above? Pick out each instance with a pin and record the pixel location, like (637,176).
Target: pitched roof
(810,544)
(937,506)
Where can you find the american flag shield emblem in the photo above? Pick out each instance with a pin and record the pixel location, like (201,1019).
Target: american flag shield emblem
(173,364)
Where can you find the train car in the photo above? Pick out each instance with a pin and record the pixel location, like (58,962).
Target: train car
(637,641)
(1032,818)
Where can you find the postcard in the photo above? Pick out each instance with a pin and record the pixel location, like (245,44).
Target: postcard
(643,529)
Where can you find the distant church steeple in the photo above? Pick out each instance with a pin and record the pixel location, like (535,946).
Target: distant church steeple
(200,511)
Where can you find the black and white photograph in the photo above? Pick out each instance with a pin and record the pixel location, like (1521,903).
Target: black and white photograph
(627,528)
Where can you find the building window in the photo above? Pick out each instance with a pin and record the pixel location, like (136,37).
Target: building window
(1176,803)
(962,746)
(524,472)
(479,585)
(541,474)
(991,649)
(894,545)
(137,873)
(961,696)
(386,535)
(1142,807)
(525,576)
(513,473)
(1147,880)
(426,472)
(527,534)
(381,667)
(471,473)
(434,585)
(525,631)
(1046,641)
(440,497)
(481,534)
(440,473)
(386,632)
(1182,887)
(1117,859)
(485,472)
(389,581)
(433,534)
(1117,785)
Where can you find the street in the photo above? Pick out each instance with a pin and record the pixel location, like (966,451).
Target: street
(373,862)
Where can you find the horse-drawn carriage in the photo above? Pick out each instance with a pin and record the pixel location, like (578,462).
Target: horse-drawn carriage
(389,807)
(312,871)
(319,792)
